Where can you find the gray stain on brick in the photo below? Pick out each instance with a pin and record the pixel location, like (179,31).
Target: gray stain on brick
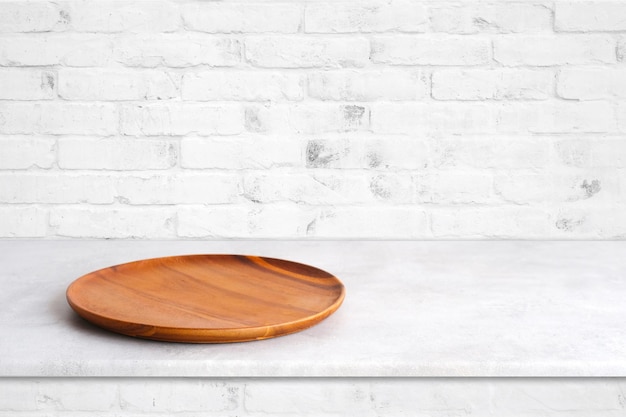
(46,399)
(311,227)
(568,225)
(313,150)
(317,156)
(484,24)
(49,80)
(373,160)
(253,121)
(591,188)
(380,188)
(353,114)
(172,154)
(252,191)
(233,397)
(64,17)
(376,47)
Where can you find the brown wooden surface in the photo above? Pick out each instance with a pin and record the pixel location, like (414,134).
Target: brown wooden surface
(206,298)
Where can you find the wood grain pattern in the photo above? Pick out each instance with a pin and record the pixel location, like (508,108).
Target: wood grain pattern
(206,298)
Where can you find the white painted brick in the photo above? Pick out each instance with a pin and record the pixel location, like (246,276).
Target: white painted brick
(591,83)
(353,85)
(313,118)
(491,152)
(111,85)
(575,222)
(557,117)
(268,117)
(212,221)
(112,222)
(338,154)
(372,153)
(506,17)
(273,221)
(621,116)
(574,152)
(202,188)
(493,84)
(25,152)
(17,117)
(589,223)
(412,118)
(116,154)
(229,17)
(266,221)
(404,222)
(454,187)
(58,118)
(490,222)
(179,396)
(55,188)
(37,16)
(290,186)
(433,397)
(430,50)
(27,84)
(621,49)
(176,50)
(369,16)
(84,119)
(593,16)
(554,50)
(317,188)
(23,222)
(549,186)
(307,52)
(240,152)
(308,118)
(392,188)
(568,396)
(18,394)
(70,394)
(608,153)
(181,119)
(123,16)
(71,50)
(242,85)
(592,152)
(594,187)
(321,118)
(303,398)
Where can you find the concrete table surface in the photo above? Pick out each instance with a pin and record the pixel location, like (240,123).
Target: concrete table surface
(412,309)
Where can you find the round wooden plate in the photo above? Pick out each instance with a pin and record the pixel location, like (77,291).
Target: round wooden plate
(206,298)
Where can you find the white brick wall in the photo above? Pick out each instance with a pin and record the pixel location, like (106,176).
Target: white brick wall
(368,397)
(284,119)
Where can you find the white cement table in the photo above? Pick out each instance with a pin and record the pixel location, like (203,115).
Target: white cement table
(412,309)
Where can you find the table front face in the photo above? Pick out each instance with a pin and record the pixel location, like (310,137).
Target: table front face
(412,309)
